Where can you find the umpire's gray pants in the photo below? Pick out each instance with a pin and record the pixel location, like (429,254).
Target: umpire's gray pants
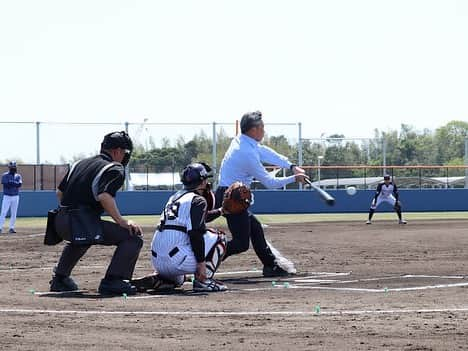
(125,255)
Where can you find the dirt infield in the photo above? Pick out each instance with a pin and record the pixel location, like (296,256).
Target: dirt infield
(382,286)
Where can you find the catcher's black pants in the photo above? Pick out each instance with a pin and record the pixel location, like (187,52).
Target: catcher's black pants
(244,227)
(125,256)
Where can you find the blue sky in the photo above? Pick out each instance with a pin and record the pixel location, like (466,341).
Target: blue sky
(337,66)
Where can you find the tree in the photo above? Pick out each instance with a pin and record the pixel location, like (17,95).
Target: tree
(450,141)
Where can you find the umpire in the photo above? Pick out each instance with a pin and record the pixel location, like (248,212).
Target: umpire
(243,162)
(91,184)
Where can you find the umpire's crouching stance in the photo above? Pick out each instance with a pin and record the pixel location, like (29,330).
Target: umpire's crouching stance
(85,192)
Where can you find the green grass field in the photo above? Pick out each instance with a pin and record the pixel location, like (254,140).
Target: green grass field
(30,222)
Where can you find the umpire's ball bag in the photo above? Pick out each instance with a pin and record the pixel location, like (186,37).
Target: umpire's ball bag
(51,236)
(85,226)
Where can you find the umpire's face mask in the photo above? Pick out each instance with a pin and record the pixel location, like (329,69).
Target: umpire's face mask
(126,157)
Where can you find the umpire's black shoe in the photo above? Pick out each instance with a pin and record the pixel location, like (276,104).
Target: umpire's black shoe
(58,284)
(116,287)
(274,271)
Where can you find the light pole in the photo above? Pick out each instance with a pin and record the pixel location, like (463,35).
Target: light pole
(318,168)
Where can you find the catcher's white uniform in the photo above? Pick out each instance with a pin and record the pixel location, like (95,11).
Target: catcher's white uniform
(173,254)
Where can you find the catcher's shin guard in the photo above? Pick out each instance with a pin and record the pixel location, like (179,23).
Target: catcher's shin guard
(215,256)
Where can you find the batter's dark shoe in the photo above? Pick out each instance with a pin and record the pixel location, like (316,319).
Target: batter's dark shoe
(274,271)
(116,287)
(59,284)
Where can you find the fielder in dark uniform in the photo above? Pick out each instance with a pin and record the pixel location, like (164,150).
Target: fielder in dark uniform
(387,191)
(92,184)
(243,162)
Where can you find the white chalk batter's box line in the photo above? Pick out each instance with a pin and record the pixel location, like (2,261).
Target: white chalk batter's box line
(289,284)
(321,312)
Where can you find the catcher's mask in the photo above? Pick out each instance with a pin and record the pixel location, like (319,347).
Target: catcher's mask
(194,174)
(117,140)
(386,177)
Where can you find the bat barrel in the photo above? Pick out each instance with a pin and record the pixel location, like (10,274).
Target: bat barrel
(330,200)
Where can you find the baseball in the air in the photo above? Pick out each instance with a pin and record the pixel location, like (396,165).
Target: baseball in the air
(351,190)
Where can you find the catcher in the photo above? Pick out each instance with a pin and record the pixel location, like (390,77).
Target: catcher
(242,163)
(386,191)
(182,244)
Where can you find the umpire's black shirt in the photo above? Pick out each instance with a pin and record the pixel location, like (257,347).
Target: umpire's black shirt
(87,181)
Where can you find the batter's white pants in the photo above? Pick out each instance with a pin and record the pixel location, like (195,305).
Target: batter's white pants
(174,254)
(9,203)
(389,199)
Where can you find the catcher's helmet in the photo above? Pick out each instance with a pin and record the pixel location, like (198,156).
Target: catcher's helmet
(194,174)
(12,164)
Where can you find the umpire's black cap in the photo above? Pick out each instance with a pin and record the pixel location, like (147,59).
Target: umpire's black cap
(115,140)
(250,120)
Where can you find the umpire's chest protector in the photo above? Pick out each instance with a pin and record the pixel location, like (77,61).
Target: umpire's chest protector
(84,180)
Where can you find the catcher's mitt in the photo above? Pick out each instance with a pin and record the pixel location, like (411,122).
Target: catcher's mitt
(237,198)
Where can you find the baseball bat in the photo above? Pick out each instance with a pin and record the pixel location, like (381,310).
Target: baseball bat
(329,200)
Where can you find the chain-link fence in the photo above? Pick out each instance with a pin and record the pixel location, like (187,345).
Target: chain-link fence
(47,177)
(331,162)
(39,177)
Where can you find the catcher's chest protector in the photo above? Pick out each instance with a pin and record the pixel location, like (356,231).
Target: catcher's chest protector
(177,210)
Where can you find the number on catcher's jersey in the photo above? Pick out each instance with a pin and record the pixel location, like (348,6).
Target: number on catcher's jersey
(177,209)
(172,210)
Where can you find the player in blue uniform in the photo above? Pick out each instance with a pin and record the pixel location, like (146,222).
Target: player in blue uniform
(11,182)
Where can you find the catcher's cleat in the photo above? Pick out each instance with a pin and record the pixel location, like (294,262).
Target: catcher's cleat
(209,285)
(274,271)
(116,287)
(59,284)
(402,221)
(145,283)
(154,282)
(368,221)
